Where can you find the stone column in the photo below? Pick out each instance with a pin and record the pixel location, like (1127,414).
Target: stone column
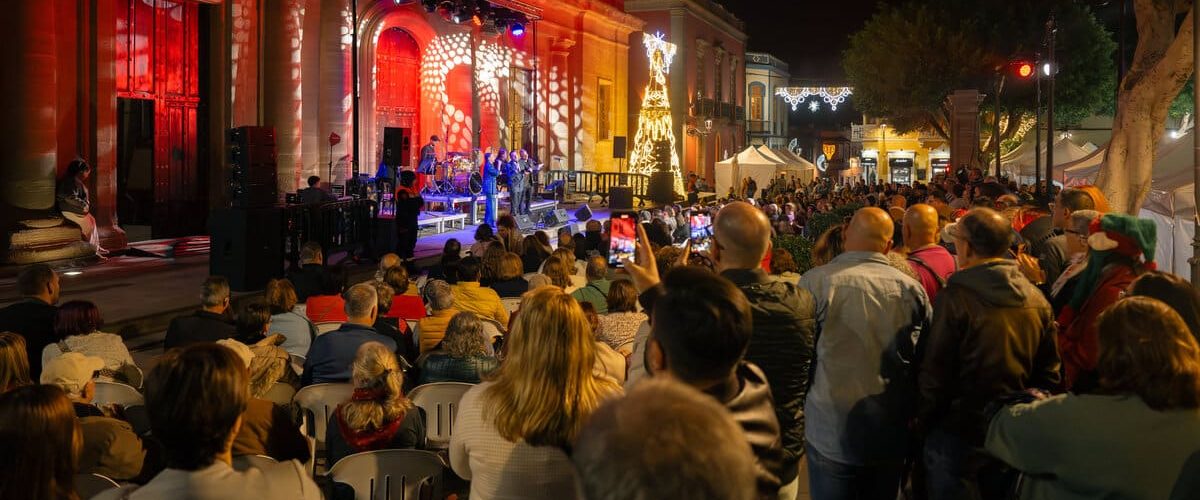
(102,82)
(335,85)
(282,98)
(561,128)
(28,102)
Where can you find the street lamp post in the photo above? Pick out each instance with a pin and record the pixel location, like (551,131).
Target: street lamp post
(1053,61)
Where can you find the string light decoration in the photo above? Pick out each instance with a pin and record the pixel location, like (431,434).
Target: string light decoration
(813,106)
(833,96)
(655,134)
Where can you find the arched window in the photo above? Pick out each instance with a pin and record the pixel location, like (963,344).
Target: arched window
(758,92)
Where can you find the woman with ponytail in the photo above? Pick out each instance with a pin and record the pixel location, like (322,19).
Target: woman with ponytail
(378,415)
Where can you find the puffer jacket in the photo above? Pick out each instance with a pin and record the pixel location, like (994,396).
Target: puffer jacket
(782,346)
(71,196)
(748,399)
(993,333)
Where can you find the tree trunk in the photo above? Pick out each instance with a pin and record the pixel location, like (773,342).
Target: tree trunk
(1162,64)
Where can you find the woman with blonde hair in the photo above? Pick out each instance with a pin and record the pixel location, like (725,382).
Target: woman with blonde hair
(378,415)
(509,281)
(465,354)
(512,429)
(556,272)
(42,441)
(14,362)
(492,259)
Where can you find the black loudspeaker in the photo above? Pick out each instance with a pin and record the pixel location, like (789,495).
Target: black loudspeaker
(661,190)
(557,217)
(251,174)
(525,224)
(399,142)
(583,214)
(620,198)
(619,147)
(246,246)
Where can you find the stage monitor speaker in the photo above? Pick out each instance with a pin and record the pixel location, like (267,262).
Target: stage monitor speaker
(525,224)
(556,217)
(251,173)
(619,147)
(398,142)
(661,190)
(246,246)
(584,213)
(620,198)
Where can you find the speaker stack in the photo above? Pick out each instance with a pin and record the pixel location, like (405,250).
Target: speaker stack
(620,198)
(252,169)
(246,240)
(661,190)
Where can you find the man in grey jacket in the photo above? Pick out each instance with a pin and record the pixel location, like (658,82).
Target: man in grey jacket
(863,396)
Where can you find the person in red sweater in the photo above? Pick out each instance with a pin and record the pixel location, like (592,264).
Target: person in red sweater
(1122,247)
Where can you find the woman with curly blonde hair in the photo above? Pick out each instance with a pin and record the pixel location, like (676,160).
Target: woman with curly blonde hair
(512,429)
(378,415)
(465,354)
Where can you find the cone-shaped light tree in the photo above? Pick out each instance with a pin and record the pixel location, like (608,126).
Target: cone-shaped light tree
(654,144)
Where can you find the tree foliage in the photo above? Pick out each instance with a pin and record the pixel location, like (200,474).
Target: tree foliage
(908,58)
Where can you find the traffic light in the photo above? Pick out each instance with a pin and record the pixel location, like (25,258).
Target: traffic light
(1023,69)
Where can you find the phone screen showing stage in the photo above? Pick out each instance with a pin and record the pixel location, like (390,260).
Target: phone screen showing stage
(701,237)
(622,240)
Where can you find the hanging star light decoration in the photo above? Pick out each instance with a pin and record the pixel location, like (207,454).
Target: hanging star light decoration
(833,96)
(813,106)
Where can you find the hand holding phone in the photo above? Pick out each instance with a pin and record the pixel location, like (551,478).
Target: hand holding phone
(622,239)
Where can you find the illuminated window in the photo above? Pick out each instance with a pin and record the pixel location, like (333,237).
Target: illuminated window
(604,110)
(757,94)
(700,65)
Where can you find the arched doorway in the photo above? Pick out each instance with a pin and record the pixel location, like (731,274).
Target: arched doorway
(397,96)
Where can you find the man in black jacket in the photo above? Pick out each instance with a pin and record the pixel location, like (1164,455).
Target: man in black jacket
(782,341)
(312,277)
(210,323)
(993,334)
(700,328)
(33,316)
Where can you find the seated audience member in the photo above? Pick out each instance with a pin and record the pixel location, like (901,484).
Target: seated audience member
(331,354)
(700,332)
(196,397)
(430,330)
(328,306)
(378,416)
(297,330)
(33,316)
(268,367)
(489,263)
(310,278)
(14,365)
(388,261)
(565,240)
(406,304)
(447,267)
(590,241)
(465,353)
(663,440)
(267,428)
(77,329)
(596,289)
(253,323)
(536,249)
(621,323)
(509,234)
(609,362)
(470,296)
(532,407)
(209,324)
(509,281)
(395,329)
(110,446)
(38,420)
(783,266)
(1173,291)
(483,236)
(1072,446)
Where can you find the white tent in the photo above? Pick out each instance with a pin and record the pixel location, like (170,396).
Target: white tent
(1023,162)
(1072,174)
(808,171)
(751,162)
(1170,203)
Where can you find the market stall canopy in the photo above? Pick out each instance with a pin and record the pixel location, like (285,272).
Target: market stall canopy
(775,157)
(751,162)
(1022,164)
(808,171)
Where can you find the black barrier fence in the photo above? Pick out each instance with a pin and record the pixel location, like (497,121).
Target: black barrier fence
(596,183)
(342,226)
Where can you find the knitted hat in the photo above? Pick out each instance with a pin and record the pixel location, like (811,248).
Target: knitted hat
(1113,234)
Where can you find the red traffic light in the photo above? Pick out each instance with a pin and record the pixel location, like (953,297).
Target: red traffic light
(1024,69)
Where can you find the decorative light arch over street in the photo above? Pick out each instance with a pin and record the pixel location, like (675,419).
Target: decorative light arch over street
(833,96)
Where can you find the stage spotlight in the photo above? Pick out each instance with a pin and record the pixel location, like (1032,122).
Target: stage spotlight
(517,29)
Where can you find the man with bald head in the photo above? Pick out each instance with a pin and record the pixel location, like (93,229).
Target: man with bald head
(782,340)
(932,262)
(869,318)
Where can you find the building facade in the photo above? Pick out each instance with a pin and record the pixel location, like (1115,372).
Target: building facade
(886,156)
(766,113)
(146,90)
(707,78)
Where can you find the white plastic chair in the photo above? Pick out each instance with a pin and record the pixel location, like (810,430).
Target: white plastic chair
(319,401)
(391,474)
(116,393)
(440,402)
(298,364)
(511,304)
(90,485)
(244,462)
(492,329)
(326,327)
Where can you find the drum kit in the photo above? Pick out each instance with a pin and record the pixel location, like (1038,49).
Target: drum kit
(456,175)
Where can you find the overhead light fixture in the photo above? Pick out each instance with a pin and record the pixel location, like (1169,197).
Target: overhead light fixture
(517,29)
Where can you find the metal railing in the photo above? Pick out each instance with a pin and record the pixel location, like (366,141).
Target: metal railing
(341,226)
(597,183)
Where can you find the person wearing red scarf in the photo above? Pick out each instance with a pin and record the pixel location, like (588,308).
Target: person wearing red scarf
(378,415)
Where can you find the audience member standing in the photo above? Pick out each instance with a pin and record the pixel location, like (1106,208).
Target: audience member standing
(1052,253)
(33,316)
(782,343)
(932,263)
(1137,438)
(310,278)
(210,323)
(992,335)
(195,397)
(598,284)
(663,440)
(869,317)
(39,421)
(511,431)
(470,296)
(331,354)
